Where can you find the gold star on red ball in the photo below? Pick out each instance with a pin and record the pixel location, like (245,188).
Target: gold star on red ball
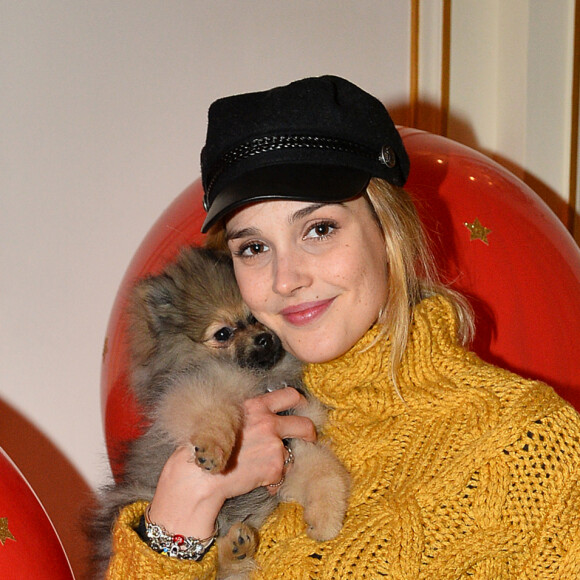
(5,533)
(478,231)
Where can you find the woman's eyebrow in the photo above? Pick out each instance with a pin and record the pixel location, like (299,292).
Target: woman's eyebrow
(243,233)
(306,211)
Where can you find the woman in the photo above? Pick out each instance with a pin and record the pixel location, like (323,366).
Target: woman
(459,469)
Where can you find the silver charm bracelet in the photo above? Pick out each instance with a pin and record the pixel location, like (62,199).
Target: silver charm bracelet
(176,545)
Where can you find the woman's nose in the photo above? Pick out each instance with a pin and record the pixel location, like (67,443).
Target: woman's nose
(291,272)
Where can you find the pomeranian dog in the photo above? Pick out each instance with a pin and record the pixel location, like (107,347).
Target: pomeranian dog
(197,354)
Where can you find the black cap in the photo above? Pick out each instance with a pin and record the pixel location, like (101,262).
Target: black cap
(316,139)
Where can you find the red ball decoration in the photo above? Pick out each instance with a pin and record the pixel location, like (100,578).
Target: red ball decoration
(493,238)
(29,544)
(497,242)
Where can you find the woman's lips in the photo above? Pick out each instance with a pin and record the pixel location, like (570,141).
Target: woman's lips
(305,313)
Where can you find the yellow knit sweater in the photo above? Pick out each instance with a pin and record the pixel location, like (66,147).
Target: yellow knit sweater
(475,475)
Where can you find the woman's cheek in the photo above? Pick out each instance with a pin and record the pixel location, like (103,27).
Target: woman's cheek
(243,278)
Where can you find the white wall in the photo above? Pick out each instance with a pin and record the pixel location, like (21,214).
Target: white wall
(511,88)
(103,109)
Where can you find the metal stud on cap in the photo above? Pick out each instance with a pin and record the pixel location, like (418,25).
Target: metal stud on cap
(387,156)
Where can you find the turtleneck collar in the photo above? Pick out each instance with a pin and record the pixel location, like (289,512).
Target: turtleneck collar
(360,380)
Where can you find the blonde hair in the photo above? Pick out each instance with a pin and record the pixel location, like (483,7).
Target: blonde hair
(412,275)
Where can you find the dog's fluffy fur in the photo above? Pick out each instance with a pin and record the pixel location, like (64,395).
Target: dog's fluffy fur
(196,355)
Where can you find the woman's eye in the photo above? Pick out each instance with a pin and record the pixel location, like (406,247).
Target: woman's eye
(251,249)
(321,230)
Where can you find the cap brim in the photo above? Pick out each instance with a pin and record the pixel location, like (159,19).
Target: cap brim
(316,183)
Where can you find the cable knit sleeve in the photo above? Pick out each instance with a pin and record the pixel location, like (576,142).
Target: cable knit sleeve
(544,482)
(134,560)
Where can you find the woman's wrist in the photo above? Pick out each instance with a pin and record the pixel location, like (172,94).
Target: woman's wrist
(187,499)
(173,545)
(196,519)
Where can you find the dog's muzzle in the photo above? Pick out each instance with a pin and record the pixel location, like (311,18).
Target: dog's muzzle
(263,352)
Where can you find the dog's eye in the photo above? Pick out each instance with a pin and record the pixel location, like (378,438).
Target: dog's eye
(224,334)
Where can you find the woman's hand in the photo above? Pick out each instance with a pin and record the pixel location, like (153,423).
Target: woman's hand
(188,498)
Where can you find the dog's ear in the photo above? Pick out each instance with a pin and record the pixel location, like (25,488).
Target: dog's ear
(156,301)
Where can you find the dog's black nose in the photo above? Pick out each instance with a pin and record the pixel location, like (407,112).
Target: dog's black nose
(264,341)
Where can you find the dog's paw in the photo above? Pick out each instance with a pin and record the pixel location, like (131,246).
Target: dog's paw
(210,455)
(238,544)
(324,520)
(214,438)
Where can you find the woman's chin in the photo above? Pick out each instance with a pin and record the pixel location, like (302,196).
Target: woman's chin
(315,353)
